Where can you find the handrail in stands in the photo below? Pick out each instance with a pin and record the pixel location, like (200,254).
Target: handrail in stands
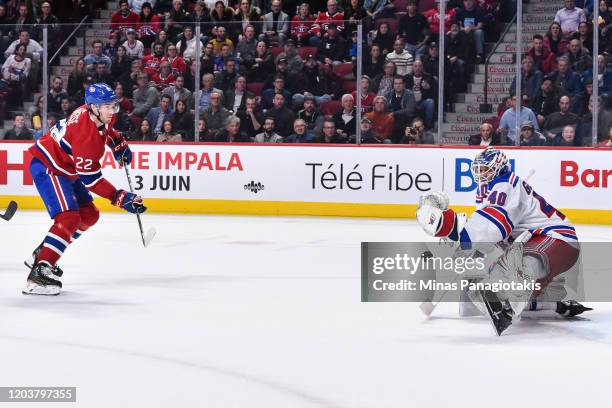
(68,39)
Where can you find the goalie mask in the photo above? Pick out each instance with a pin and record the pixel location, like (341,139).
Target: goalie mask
(488,165)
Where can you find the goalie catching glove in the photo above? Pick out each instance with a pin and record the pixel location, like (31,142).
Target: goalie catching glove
(436,219)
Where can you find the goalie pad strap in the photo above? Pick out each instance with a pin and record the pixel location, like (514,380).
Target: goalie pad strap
(447,223)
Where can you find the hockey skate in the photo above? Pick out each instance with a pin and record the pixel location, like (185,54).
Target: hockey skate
(499,311)
(30,262)
(41,281)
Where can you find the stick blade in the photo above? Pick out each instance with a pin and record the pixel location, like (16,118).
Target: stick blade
(11,209)
(148,237)
(427,308)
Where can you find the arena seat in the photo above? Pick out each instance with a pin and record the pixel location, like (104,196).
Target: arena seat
(276,50)
(330,107)
(349,86)
(305,51)
(343,69)
(255,87)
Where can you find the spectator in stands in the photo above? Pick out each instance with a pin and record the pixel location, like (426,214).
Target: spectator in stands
(164,77)
(367,96)
(456,54)
(129,78)
(162,38)
(52,119)
(158,114)
(580,105)
(33,52)
(76,76)
(5,28)
(275,27)
(24,20)
(507,124)
(176,20)
(431,60)
(267,96)
(247,46)
(235,99)
(579,58)
(48,19)
(259,67)
(345,119)
(329,134)
(384,38)
(269,135)
(486,137)
(251,118)
(78,98)
(178,92)
(545,101)
(144,96)
(324,84)
(101,75)
(120,67)
(66,108)
(471,20)
(323,21)
(294,61)
(383,82)
(433,17)
(570,17)
(204,134)
(137,5)
(223,57)
(149,25)
(300,133)
(424,87)
(402,59)
(245,17)
(301,26)
(584,136)
(19,130)
(607,142)
(220,40)
(531,80)
(151,62)
(283,116)
(208,60)
(353,13)
(125,104)
(111,47)
(555,40)
(206,91)
(133,46)
(555,122)
(215,114)
(529,137)
(225,79)
(544,60)
(187,45)
(604,75)
(200,16)
(123,20)
(401,102)
(221,16)
(143,133)
(414,30)
(168,134)
(311,115)
(373,62)
(16,72)
(585,36)
(36,113)
(383,122)
(56,93)
(182,120)
(566,80)
(332,48)
(367,135)
(231,132)
(416,133)
(565,138)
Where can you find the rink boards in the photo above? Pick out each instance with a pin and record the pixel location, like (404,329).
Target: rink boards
(336,180)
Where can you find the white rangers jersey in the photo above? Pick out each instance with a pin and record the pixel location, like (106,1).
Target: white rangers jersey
(508,203)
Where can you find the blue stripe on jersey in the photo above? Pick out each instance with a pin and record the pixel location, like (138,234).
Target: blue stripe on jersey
(90,179)
(567,235)
(558,227)
(465,240)
(498,224)
(505,213)
(516,180)
(56,243)
(65,147)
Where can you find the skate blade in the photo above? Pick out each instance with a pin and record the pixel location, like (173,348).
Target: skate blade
(41,290)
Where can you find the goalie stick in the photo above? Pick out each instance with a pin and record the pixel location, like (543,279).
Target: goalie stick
(427,307)
(146,239)
(11,209)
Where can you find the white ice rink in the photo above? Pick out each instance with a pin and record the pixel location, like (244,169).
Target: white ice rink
(224,312)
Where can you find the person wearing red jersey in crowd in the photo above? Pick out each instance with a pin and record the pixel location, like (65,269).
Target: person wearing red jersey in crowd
(301,25)
(367,96)
(149,25)
(332,15)
(176,61)
(124,19)
(151,62)
(433,17)
(164,77)
(66,169)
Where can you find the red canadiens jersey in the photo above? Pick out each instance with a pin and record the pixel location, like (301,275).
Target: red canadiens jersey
(74,147)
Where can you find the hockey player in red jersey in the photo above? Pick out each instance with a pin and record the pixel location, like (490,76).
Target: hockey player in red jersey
(66,170)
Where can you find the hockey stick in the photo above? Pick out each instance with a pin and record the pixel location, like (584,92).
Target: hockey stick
(146,239)
(427,307)
(11,209)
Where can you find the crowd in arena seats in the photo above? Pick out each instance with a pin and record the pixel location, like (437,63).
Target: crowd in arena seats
(280,71)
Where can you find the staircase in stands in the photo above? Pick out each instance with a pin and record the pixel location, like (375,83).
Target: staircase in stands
(466,117)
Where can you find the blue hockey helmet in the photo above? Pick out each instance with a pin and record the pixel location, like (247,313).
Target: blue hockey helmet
(489,164)
(100,94)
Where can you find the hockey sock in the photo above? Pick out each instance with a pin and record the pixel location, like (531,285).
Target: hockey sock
(59,236)
(89,216)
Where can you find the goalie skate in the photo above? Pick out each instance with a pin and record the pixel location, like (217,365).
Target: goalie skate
(41,281)
(500,312)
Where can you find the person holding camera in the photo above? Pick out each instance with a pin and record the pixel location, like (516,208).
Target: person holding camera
(416,134)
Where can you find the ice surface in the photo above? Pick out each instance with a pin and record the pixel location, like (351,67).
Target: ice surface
(265,312)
